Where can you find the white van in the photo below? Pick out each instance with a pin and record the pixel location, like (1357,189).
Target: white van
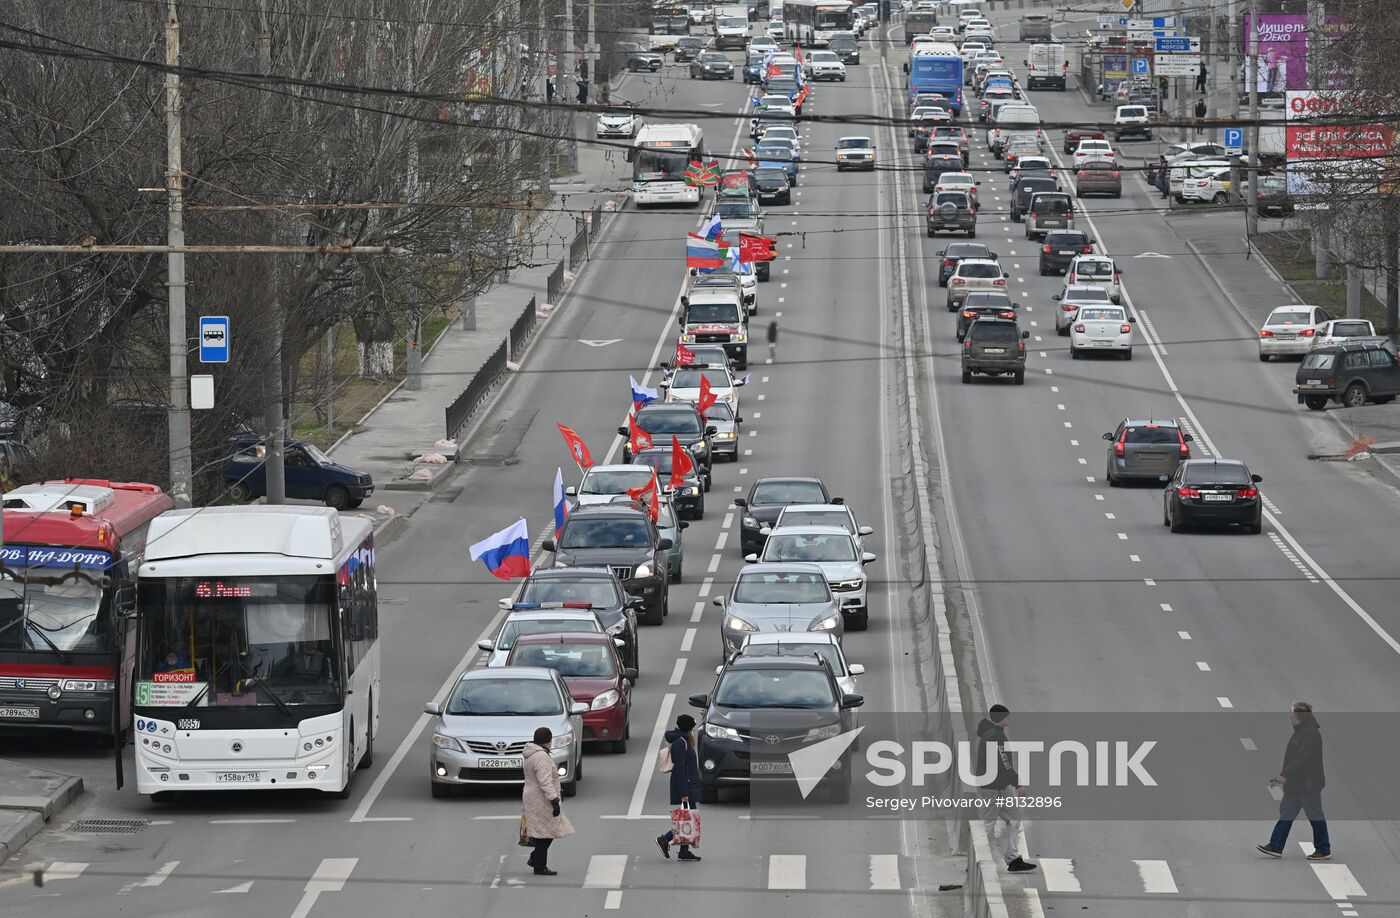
(1013,118)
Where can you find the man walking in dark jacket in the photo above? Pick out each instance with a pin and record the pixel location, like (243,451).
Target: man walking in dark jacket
(1302,780)
(685,780)
(1003,783)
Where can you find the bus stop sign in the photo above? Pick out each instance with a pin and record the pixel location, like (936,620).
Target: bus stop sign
(213,339)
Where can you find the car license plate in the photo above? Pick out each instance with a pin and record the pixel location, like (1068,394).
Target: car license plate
(1283,337)
(1066,252)
(500,763)
(770,768)
(1102,343)
(25,713)
(1217,498)
(238,777)
(994,350)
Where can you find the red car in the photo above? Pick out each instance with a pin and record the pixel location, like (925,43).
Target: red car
(593,671)
(1076,134)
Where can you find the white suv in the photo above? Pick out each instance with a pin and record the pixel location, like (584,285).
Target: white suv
(1130,120)
(979,274)
(825,65)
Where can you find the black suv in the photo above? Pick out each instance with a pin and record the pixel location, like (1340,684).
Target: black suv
(982,304)
(763,709)
(688,48)
(766,500)
(712,65)
(1353,373)
(935,166)
(1026,187)
(951,211)
(955,253)
(1060,248)
(623,539)
(597,588)
(681,419)
(994,347)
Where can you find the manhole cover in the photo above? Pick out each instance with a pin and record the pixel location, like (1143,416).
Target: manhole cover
(109,826)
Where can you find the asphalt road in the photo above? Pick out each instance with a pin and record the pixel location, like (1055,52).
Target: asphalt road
(1082,600)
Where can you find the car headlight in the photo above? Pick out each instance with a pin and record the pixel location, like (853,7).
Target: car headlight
(447,742)
(687,338)
(827,624)
(719,731)
(725,435)
(700,446)
(691,492)
(605,700)
(750,523)
(562,741)
(88,685)
(735,623)
(739,337)
(643,570)
(821,733)
(850,584)
(619,627)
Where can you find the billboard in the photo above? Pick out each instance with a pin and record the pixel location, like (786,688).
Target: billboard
(1331,147)
(1283,51)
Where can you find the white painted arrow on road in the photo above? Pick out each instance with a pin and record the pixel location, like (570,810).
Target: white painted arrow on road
(598,342)
(1152,255)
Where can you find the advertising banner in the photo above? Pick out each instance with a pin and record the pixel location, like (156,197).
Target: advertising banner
(1331,148)
(1283,51)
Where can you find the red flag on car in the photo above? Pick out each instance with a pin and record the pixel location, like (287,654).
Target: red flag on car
(638,439)
(577,448)
(707,398)
(756,248)
(681,463)
(649,495)
(684,356)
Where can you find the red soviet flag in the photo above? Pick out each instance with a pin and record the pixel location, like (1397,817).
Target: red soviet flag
(707,398)
(577,448)
(681,463)
(649,495)
(684,356)
(756,248)
(638,439)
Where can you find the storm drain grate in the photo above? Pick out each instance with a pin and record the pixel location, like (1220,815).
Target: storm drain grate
(109,826)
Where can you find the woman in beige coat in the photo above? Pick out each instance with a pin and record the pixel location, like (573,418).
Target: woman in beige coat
(544,821)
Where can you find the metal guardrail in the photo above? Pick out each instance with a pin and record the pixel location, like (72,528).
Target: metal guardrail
(578,250)
(465,405)
(555,284)
(522,328)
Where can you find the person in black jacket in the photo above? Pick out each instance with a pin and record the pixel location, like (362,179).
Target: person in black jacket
(1302,780)
(685,780)
(1004,782)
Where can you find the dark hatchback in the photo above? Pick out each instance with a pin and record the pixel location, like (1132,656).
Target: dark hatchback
(846,48)
(995,347)
(955,253)
(1352,373)
(984,305)
(761,711)
(772,186)
(688,48)
(1213,491)
(1145,450)
(599,589)
(1026,187)
(620,538)
(766,500)
(664,419)
(689,498)
(1060,248)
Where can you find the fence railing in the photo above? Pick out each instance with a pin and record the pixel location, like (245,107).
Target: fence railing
(522,329)
(465,405)
(578,250)
(555,284)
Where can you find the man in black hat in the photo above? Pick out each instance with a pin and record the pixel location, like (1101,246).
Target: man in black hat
(1002,781)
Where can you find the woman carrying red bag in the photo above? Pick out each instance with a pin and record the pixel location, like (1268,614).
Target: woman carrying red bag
(685,790)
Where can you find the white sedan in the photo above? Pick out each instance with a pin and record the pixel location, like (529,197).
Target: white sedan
(1102,328)
(1290,330)
(684,385)
(1096,150)
(1337,331)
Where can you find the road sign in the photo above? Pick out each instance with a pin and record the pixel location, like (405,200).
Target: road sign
(1234,140)
(1177,65)
(1179,45)
(1141,66)
(213,339)
(1128,4)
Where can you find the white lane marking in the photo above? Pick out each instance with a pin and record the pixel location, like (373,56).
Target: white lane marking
(1248,744)
(1059,874)
(748,452)
(160,875)
(330,876)
(1156,877)
(753,433)
(705,586)
(240,888)
(613,900)
(698,610)
(757,415)
(605,871)
(248,822)
(1058,407)
(1136,559)
(1098,497)
(714,564)
(743,471)
(1148,581)
(639,790)
(361,813)
(1123,536)
(688,640)
(1225,702)
(765,379)
(1052,388)
(1068,424)
(1337,879)
(1083,461)
(1184,635)
(64,870)
(678,671)
(787,871)
(762,396)
(1167,607)
(723,537)
(728,519)
(884,871)
(1073,442)
(1203,666)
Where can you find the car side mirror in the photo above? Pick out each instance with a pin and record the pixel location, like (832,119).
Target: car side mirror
(739,382)
(711,430)
(856,669)
(717,602)
(663,384)
(621,432)
(1108,437)
(738,420)
(488,646)
(1188,438)
(850,700)
(685,300)
(1132,321)
(433,708)
(635,602)
(699,700)
(838,500)
(865,530)
(548,545)
(682,524)
(619,642)
(740,502)
(1256,478)
(867,558)
(630,674)
(976,183)
(1006,274)
(750,559)
(1092,241)
(1025,334)
(505,602)
(571,490)
(578,708)
(664,545)
(906,66)
(719,669)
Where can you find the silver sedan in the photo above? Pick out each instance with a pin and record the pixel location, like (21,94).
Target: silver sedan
(775,598)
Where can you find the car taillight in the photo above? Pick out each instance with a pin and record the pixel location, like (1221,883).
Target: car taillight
(969,315)
(999,282)
(1265,333)
(1068,307)
(1006,315)
(931,212)
(1088,249)
(1115,277)
(1249,492)
(971,212)
(1079,328)
(1125,328)
(1045,249)
(967,344)
(1307,333)
(947,262)
(1185,450)
(1184,491)
(1120,449)
(958,282)
(1331,382)
(1069,215)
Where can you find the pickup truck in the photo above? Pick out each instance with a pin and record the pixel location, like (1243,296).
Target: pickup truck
(750,222)
(716,316)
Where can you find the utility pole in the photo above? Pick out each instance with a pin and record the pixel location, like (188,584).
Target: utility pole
(1232,71)
(1251,214)
(542,55)
(564,83)
(181,464)
(592,53)
(274,420)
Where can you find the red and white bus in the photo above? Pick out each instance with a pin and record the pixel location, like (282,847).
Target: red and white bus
(67,563)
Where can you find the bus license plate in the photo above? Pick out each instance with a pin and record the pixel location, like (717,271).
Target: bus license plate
(500,763)
(770,768)
(25,713)
(238,777)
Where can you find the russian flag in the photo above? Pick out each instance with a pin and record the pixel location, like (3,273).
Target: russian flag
(640,393)
(506,553)
(712,227)
(701,252)
(561,506)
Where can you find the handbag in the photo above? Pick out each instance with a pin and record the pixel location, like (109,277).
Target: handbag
(685,824)
(524,841)
(663,760)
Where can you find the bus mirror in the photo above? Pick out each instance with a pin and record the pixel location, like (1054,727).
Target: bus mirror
(124,598)
(631,154)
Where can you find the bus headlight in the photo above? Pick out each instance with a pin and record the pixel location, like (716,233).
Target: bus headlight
(88,685)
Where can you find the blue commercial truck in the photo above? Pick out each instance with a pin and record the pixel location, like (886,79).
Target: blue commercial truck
(940,73)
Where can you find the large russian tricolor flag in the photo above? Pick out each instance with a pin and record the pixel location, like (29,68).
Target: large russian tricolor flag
(506,553)
(702,253)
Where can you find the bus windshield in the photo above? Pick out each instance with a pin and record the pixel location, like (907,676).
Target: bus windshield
(50,611)
(660,165)
(237,642)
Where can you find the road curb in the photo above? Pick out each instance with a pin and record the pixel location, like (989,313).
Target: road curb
(15,837)
(26,815)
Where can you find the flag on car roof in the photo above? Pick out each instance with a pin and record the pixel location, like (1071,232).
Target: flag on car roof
(753,247)
(684,355)
(649,495)
(561,504)
(640,393)
(712,227)
(505,553)
(681,463)
(577,448)
(701,252)
(637,439)
(707,398)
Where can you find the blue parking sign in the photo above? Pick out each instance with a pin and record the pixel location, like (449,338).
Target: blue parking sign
(1140,66)
(1234,139)
(213,339)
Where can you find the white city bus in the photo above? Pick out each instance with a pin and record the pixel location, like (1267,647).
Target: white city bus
(810,23)
(257,653)
(659,158)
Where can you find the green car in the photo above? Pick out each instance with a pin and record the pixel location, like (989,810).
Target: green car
(668,527)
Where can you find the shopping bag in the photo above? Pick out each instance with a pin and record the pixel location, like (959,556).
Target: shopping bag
(524,841)
(663,760)
(685,823)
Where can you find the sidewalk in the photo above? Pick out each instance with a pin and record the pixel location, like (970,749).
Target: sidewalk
(409,423)
(29,798)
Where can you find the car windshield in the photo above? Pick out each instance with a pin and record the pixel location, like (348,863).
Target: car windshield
(842,44)
(740,209)
(1100,314)
(719,411)
(818,518)
(823,56)
(505,697)
(977,270)
(779,587)
(607,533)
(712,312)
(587,660)
(659,459)
(993,333)
(1086,294)
(810,547)
(711,57)
(515,627)
(827,652)
(1135,111)
(1216,473)
(770,176)
(683,423)
(616,481)
(854,143)
(779,132)
(658,165)
(777,688)
(1290,317)
(1152,434)
(787,492)
(596,592)
(690,378)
